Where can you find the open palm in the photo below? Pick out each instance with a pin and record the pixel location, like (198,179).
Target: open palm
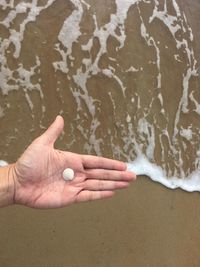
(38,174)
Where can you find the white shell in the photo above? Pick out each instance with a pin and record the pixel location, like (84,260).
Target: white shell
(68,174)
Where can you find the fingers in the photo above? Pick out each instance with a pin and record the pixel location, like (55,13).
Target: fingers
(87,195)
(94,162)
(101,185)
(94,189)
(110,175)
(53,132)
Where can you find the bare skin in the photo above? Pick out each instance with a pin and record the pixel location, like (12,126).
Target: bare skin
(36,181)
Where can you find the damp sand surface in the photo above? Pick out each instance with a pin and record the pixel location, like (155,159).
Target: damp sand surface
(126,81)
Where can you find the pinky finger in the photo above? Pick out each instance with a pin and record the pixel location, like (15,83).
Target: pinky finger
(87,195)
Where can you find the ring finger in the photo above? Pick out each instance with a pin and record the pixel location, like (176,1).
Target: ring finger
(102,185)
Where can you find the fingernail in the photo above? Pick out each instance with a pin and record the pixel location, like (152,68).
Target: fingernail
(133,176)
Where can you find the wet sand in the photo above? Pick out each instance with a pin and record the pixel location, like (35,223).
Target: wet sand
(146,225)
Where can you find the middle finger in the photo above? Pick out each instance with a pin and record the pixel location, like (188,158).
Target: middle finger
(110,175)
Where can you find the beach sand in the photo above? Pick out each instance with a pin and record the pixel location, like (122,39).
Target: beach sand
(145,225)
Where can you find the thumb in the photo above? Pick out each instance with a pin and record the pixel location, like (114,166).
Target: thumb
(53,132)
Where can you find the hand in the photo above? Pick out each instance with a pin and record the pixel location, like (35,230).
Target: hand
(38,174)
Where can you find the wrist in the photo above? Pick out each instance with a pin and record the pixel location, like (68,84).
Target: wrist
(7,185)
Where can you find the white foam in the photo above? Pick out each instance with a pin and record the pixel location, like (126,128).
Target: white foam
(71,29)
(21,78)
(142,166)
(151,42)
(186,133)
(132,69)
(141,132)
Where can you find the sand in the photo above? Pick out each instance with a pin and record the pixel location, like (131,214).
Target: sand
(145,225)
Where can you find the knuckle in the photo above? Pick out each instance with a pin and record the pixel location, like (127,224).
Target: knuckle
(101,185)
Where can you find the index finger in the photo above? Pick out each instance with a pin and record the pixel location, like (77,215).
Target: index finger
(94,162)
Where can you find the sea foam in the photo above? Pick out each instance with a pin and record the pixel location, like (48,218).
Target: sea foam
(142,166)
(152,98)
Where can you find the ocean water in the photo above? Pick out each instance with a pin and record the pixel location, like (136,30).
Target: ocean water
(123,73)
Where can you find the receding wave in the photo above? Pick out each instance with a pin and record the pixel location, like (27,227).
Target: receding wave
(124,75)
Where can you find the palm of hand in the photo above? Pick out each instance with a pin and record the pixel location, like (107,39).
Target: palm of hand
(39,181)
(40,177)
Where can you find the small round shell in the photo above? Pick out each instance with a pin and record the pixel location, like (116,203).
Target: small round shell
(68,174)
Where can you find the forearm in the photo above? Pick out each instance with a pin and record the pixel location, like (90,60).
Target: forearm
(6,185)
